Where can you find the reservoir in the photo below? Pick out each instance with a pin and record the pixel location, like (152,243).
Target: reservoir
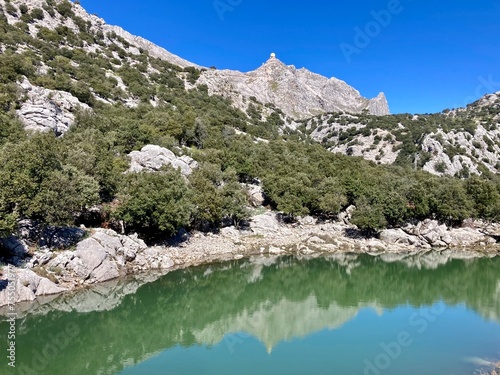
(338,314)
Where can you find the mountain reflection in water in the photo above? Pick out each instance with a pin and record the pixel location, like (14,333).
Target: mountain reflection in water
(273,300)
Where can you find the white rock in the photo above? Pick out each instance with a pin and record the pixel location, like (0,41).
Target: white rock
(48,110)
(152,158)
(299,93)
(264,224)
(108,270)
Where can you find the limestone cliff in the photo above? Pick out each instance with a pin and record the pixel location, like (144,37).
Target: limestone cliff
(299,93)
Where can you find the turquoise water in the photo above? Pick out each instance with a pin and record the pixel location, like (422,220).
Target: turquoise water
(344,315)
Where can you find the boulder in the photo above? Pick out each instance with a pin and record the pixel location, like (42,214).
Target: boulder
(152,158)
(27,285)
(347,214)
(307,220)
(91,254)
(396,236)
(432,237)
(107,270)
(255,195)
(427,226)
(61,260)
(108,239)
(264,224)
(47,287)
(468,237)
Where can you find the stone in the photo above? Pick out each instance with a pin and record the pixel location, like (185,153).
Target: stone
(28,285)
(307,220)
(346,215)
(255,195)
(432,237)
(44,258)
(91,254)
(264,224)
(47,287)
(166,262)
(396,236)
(447,239)
(466,237)
(152,158)
(427,226)
(107,270)
(108,239)
(275,250)
(129,255)
(61,260)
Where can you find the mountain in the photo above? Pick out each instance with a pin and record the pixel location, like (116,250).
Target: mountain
(299,93)
(57,13)
(78,97)
(59,38)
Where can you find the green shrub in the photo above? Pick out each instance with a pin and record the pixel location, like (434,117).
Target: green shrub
(155,203)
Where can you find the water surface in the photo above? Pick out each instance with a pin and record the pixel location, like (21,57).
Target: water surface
(335,315)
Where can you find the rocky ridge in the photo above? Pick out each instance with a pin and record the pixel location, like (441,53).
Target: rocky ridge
(298,93)
(458,143)
(97,25)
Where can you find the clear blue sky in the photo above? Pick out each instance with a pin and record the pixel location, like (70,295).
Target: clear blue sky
(427,56)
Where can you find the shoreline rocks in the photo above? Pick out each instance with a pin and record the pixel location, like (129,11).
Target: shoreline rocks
(106,255)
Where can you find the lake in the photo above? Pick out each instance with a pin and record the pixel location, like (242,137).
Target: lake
(343,314)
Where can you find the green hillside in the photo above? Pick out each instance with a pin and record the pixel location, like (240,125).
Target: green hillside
(134,99)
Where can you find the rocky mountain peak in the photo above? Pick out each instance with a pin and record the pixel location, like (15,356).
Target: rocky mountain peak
(299,93)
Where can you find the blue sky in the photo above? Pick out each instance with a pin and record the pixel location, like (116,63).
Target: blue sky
(425,55)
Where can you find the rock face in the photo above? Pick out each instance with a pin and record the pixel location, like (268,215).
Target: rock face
(299,93)
(151,158)
(48,110)
(483,146)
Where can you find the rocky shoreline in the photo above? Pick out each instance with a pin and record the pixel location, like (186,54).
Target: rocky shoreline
(105,255)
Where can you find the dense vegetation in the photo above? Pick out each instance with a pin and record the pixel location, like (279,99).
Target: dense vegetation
(61,180)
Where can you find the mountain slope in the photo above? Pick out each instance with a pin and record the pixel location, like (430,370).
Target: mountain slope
(458,143)
(299,93)
(97,96)
(56,14)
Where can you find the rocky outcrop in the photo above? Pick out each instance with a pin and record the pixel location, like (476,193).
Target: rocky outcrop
(48,110)
(103,256)
(480,148)
(429,233)
(27,286)
(152,158)
(299,93)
